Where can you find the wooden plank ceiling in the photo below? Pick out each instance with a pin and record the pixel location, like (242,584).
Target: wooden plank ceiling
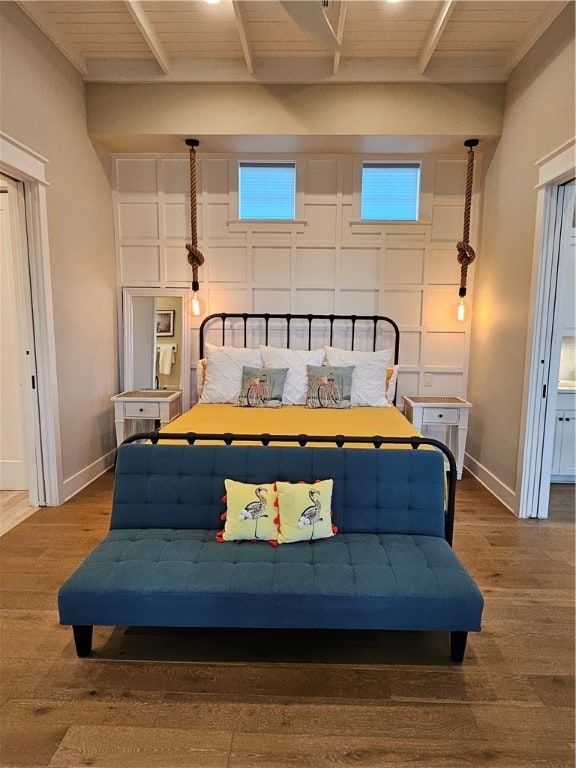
(294,41)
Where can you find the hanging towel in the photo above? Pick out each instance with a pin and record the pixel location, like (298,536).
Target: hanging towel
(166,357)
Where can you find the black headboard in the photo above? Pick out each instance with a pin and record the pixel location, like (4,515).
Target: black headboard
(227,323)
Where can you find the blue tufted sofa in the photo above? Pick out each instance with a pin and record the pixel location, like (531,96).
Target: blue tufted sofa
(389,566)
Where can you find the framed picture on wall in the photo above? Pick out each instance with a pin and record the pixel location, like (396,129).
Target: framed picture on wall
(165,322)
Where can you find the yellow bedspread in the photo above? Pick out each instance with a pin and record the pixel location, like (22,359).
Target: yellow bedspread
(294,420)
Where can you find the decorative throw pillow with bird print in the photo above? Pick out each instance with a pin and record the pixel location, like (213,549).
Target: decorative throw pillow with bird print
(251,512)
(305,511)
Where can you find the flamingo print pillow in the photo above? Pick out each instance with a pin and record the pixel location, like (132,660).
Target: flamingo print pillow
(251,512)
(305,511)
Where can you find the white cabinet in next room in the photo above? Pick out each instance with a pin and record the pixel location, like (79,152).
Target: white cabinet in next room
(564,457)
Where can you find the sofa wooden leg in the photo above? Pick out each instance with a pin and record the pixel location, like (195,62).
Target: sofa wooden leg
(458,645)
(82,639)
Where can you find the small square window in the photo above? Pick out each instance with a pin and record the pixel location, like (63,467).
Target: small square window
(390,191)
(267,191)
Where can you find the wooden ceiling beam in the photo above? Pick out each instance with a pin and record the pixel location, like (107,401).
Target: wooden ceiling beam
(148,33)
(433,39)
(243,34)
(339,36)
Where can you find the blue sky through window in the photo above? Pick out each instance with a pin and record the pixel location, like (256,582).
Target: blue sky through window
(267,191)
(390,192)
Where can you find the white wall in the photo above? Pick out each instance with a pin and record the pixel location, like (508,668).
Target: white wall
(367,117)
(42,106)
(328,261)
(538,118)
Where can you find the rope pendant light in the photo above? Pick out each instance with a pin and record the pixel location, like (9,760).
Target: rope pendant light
(466,253)
(195,256)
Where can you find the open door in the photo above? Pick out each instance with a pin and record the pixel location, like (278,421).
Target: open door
(20,444)
(555,221)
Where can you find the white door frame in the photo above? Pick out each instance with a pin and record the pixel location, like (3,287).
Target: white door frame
(22,464)
(23,164)
(535,456)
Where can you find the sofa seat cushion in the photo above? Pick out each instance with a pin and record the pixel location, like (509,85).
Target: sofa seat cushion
(168,577)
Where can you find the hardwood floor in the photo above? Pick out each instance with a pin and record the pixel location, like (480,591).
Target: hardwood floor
(14,507)
(293,699)
(562,506)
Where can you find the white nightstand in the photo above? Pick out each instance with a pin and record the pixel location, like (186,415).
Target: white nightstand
(158,404)
(451,412)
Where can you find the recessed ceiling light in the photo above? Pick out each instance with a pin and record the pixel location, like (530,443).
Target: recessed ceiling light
(212,2)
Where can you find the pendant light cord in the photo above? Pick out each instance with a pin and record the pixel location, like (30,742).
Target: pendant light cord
(195,256)
(466,253)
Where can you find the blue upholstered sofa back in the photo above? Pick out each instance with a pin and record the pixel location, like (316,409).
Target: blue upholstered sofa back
(375,490)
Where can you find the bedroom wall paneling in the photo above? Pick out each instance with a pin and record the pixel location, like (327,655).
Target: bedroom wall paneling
(327,260)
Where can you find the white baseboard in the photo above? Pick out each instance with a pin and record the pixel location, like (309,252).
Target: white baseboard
(77,482)
(502,492)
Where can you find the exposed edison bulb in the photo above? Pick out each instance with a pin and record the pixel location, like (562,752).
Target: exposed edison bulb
(462,310)
(195,307)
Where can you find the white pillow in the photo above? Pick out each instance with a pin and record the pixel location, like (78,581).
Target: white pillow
(369,375)
(223,379)
(296,360)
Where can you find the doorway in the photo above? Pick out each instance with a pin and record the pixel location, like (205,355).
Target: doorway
(562,501)
(554,227)
(13,444)
(21,485)
(23,172)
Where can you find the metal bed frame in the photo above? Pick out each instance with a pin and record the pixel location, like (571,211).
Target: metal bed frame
(256,320)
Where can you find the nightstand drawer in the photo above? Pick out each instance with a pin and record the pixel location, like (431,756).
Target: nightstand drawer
(440,416)
(142,410)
